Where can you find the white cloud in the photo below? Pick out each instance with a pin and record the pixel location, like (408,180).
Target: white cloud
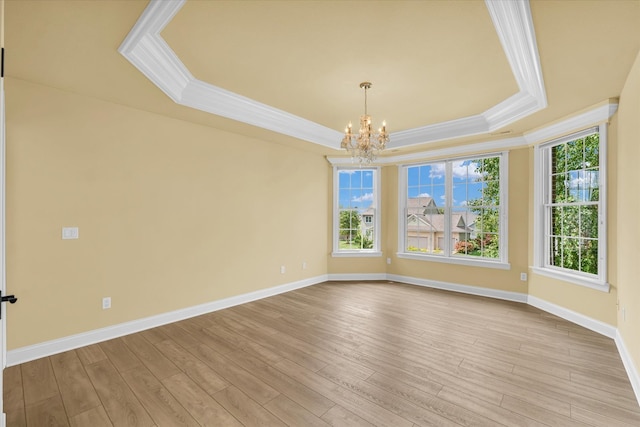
(586,179)
(437,170)
(460,170)
(424,195)
(364,198)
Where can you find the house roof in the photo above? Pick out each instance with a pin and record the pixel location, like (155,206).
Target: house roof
(435,222)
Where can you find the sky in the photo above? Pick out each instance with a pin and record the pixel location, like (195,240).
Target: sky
(356,186)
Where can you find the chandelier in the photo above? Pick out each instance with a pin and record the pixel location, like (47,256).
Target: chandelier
(366,145)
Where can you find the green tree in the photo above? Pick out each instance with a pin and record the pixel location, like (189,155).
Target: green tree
(574,204)
(486,207)
(349,224)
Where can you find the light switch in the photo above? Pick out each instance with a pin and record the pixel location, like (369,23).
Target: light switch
(69,233)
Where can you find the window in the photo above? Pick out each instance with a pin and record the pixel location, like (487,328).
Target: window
(455,211)
(356,212)
(570,197)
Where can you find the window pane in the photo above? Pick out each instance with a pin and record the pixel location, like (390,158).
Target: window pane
(589,221)
(575,154)
(470,225)
(558,159)
(356,209)
(589,256)
(559,187)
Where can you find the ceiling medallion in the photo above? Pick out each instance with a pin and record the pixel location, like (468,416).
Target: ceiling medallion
(366,145)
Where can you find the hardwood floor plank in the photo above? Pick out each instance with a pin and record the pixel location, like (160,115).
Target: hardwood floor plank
(154,335)
(198,371)
(95,417)
(155,361)
(494,412)
(160,404)
(257,389)
(311,400)
(119,354)
(90,354)
(38,381)
(47,412)
(293,414)
(245,409)
(341,417)
(14,397)
(78,394)
(180,335)
(439,407)
(596,420)
(198,403)
(121,405)
(538,413)
(360,406)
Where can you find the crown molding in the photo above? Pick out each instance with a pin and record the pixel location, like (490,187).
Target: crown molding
(145,48)
(498,145)
(592,117)
(151,55)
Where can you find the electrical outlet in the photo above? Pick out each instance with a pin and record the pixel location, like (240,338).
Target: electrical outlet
(282,269)
(389,261)
(106,303)
(523,277)
(70,233)
(304,265)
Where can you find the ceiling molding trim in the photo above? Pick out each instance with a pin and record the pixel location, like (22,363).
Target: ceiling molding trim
(150,54)
(215,100)
(593,117)
(146,50)
(465,126)
(514,26)
(498,145)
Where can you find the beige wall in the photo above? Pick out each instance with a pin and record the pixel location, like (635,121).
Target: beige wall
(170,214)
(506,280)
(589,302)
(628,233)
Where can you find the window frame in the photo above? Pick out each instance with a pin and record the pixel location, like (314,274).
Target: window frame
(375,251)
(446,257)
(542,188)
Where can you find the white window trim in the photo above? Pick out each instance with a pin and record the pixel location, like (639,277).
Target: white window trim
(375,251)
(501,263)
(540,180)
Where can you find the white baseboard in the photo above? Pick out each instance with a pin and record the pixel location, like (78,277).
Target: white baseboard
(577,318)
(627,361)
(357,277)
(465,289)
(48,348)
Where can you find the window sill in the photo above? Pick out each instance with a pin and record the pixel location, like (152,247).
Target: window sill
(356,254)
(572,278)
(454,260)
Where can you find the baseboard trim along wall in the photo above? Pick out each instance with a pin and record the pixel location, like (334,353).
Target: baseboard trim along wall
(37,351)
(632,372)
(464,289)
(48,348)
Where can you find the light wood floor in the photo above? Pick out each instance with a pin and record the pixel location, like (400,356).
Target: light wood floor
(343,354)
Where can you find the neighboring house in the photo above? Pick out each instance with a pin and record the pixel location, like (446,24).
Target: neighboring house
(367,222)
(425,226)
(421,206)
